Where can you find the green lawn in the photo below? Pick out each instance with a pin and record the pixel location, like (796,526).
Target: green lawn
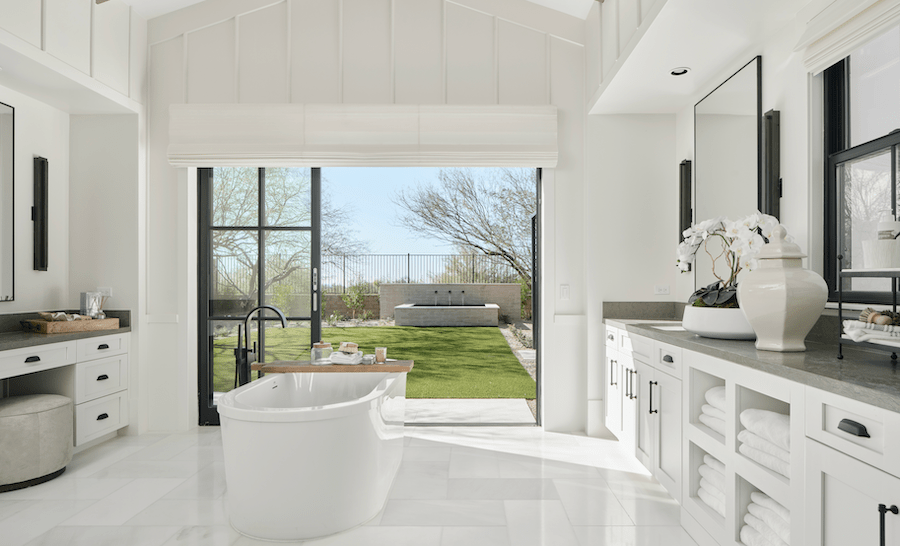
(450,362)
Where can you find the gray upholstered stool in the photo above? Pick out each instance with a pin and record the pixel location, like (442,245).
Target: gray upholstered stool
(35,439)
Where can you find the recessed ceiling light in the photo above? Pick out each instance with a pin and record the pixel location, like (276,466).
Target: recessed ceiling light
(680,71)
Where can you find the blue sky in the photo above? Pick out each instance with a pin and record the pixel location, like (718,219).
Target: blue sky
(367,193)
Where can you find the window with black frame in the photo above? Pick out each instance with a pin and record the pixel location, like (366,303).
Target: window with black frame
(862,116)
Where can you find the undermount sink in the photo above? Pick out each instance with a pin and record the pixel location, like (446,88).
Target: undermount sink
(673,328)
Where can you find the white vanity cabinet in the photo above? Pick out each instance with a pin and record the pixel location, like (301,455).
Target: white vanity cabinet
(621,399)
(95,377)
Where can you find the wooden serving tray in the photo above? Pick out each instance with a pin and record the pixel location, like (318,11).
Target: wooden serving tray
(69,326)
(303,366)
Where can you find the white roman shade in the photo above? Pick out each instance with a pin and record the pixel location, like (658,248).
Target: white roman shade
(325,135)
(842,27)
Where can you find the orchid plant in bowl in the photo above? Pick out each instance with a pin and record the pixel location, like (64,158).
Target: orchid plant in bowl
(734,244)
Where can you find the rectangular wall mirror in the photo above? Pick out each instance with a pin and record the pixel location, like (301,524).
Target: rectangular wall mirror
(7,193)
(727,146)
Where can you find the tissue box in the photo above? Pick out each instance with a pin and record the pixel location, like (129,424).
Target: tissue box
(881,254)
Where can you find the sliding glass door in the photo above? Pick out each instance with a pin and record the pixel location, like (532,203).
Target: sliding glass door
(259,241)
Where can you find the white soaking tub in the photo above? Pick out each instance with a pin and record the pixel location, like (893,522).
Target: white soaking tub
(311,454)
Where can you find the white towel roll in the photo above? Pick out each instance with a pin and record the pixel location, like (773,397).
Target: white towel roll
(717,425)
(716,397)
(751,537)
(764,459)
(769,425)
(713,412)
(764,530)
(714,463)
(710,500)
(768,502)
(712,490)
(778,525)
(757,442)
(715,478)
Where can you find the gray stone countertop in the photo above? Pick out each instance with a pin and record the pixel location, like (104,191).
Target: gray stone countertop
(18,340)
(867,376)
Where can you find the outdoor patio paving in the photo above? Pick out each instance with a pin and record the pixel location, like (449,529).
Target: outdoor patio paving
(467,411)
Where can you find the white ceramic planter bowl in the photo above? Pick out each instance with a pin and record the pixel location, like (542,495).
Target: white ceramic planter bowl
(717,323)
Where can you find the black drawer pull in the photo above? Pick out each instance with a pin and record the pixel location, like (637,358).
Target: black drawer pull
(650,399)
(669,359)
(882,510)
(102,346)
(102,416)
(854,428)
(103,377)
(31,359)
(611,337)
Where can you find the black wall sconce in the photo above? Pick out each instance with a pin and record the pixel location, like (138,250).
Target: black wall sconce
(40,214)
(685,213)
(771,190)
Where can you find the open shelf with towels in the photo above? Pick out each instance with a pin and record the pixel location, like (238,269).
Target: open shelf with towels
(764,434)
(707,405)
(706,494)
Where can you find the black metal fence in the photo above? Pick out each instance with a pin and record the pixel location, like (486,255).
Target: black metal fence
(340,272)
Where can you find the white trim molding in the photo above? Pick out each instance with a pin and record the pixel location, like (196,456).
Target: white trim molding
(842,27)
(325,135)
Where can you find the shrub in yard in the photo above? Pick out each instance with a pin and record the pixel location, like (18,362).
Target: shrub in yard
(355,298)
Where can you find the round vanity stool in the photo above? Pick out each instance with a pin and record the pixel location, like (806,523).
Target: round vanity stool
(35,439)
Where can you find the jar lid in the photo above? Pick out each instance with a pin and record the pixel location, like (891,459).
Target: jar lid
(321,345)
(778,248)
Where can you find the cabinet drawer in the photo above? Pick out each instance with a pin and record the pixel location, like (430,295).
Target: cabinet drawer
(666,358)
(625,345)
(881,448)
(34,359)
(97,378)
(98,347)
(641,347)
(612,337)
(101,416)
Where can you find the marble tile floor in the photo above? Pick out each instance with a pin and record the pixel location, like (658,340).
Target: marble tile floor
(471,486)
(468,411)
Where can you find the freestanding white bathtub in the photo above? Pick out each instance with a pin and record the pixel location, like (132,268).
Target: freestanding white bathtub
(311,454)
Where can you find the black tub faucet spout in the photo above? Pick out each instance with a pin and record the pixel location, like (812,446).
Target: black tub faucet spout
(243,355)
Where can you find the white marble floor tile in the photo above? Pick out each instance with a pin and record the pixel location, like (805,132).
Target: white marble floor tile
(37,519)
(467,411)
(538,523)
(165,449)
(501,489)
(381,536)
(65,488)
(590,502)
(98,458)
(208,483)
(475,536)
(435,453)
(472,464)
(184,512)
(633,536)
(151,469)
(204,535)
(407,486)
(443,512)
(10,508)
(125,503)
(104,536)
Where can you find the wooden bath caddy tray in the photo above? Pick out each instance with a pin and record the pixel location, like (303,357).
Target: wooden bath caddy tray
(303,366)
(69,326)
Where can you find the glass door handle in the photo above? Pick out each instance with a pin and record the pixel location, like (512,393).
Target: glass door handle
(315,289)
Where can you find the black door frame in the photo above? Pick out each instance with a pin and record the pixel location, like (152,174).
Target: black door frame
(208,415)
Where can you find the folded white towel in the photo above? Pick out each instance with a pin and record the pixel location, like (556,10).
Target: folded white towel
(764,445)
(710,500)
(713,412)
(766,501)
(714,463)
(711,489)
(717,425)
(769,425)
(779,526)
(889,329)
(344,358)
(752,537)
(715,478)
(764,530)
(716,397)
(769,461)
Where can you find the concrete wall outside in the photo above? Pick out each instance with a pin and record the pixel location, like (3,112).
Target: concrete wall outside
(507,296)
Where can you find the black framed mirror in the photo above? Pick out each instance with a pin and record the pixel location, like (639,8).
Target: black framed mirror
(7,195)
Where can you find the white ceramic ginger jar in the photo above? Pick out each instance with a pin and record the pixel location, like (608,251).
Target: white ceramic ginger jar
(782,301)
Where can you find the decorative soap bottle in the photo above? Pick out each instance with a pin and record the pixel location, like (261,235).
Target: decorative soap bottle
(782,301)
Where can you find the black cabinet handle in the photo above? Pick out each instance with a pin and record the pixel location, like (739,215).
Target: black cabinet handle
(628,383)
(31,359)
(616,382)
(102,346)
(650,405)
(882,510)
(611,361)
(103,377)
(102,416)
(854,428)
(669,359)
(610,337)
(631,374)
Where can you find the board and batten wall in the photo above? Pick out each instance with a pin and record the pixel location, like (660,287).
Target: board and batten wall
(362,51)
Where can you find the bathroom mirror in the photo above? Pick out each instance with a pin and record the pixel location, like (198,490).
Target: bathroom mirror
(727,144)
(7,221)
